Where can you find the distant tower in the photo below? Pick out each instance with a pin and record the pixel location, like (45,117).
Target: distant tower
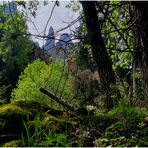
(64,44)
(37,44)
(65,40)
(50,42)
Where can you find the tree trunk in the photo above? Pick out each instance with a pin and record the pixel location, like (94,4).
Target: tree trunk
(142,33)
(104,63)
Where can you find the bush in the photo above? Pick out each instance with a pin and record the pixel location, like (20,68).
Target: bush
(127,129)
(37,75)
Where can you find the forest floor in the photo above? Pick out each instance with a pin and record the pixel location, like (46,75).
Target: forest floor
(29,123)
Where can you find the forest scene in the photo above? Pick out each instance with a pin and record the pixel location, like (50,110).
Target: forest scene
(73,73)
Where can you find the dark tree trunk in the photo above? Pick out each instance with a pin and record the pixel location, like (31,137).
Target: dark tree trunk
(104,63)
(141,51)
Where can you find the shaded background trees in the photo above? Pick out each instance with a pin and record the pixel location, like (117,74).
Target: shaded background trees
(110,28)
(15,48)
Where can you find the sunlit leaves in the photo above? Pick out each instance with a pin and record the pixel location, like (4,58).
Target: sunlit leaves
(118,47)
(37,75)
(74,5)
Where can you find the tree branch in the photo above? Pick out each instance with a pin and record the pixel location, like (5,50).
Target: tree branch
(123,29)
(57,99)
(49,18)
(116,28)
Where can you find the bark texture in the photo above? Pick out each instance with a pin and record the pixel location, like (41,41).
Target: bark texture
(141,52)
(104,63)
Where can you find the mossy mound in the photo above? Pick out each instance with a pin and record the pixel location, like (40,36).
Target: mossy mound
(128,127)
(32,106)
(11,117)
(22,117)
(38,124)
(14,143)
(8,110)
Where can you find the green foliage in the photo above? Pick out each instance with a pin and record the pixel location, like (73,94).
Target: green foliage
(3,89)
(14,143)
(12,110)
(38,125)
(49,127)
(32,106)
(37,75)
(74,5)
(119,140)
(15,48)
(128,128)
(30,81)
(43,135)
(118,42)
(127,115)
(123,125)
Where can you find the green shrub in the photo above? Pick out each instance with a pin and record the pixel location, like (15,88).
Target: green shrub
(127,116)
(128,128)
(37,75)
(45,135)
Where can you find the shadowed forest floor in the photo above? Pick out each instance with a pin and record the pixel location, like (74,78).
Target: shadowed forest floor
(29,123)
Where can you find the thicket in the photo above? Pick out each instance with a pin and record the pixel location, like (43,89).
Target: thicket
(38,74)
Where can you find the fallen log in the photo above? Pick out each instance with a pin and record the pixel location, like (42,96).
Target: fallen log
(59,100)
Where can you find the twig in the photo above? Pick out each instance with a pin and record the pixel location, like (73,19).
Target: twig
(49,18)
(123,29)
(44,32)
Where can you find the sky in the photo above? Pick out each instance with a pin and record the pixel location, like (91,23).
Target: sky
(60,14)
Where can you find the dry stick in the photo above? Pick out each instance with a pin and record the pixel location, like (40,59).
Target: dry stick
(59,100)
(69,25)
(62,73)
(30,20)
(34,26)
(49,17)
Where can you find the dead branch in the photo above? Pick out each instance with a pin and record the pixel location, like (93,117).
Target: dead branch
(57,99)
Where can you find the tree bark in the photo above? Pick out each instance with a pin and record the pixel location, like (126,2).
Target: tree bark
(142,50)
(104,63)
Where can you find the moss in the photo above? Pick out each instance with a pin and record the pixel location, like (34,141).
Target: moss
(36,116)
(14,143)
(12,110)
(52,122)
(48,118)
(32,105)
(11,117)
